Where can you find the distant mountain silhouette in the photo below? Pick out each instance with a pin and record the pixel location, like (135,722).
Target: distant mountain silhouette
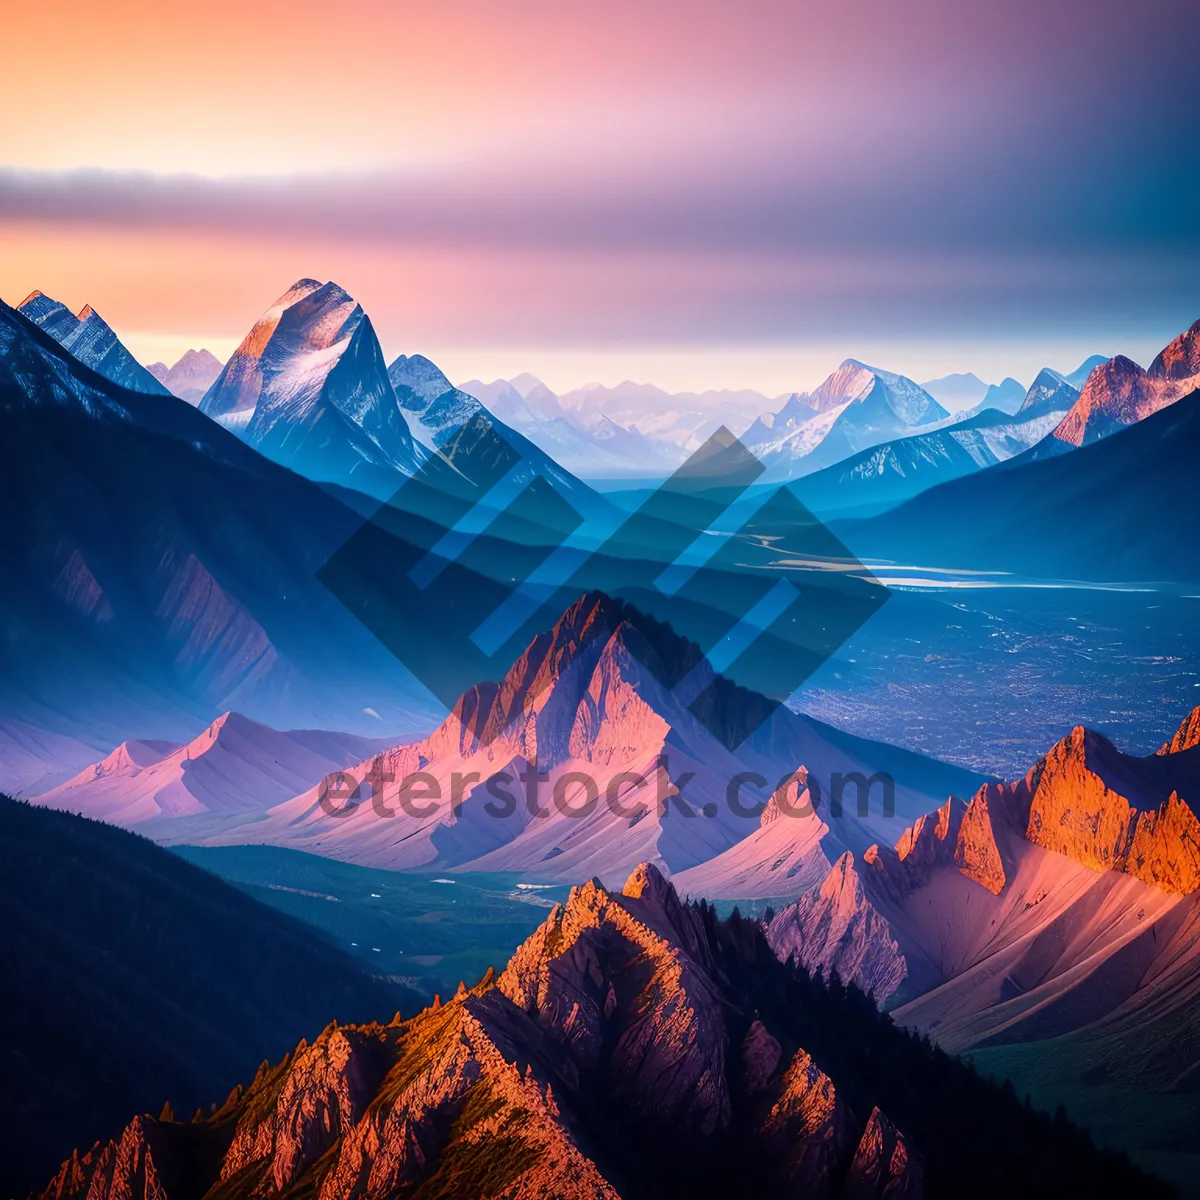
(191,376)
(1097,513)
(958,391)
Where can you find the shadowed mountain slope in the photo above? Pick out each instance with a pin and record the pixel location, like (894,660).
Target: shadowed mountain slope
(156,572)
(1096,513)
(90,339)
(584,760)
(633,1047)
(134,978)
(1051,926)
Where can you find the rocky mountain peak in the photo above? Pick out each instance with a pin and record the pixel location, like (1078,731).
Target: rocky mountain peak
(90,340)
(885,1163)
(613,1047)
(836,930)
(957,835)
(1180,360)
(419,373)
(1186,736)
(922,842)
(1049,392)
(851,381)
(308,387)
(647,882)
(1114,811)
(1119,392)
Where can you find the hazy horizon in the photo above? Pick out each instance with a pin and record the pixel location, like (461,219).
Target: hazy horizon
(699,196)
(772,370)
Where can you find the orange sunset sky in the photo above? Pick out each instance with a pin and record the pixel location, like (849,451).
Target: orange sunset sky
(704,194)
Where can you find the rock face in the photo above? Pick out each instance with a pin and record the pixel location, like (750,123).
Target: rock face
(657,1033)
(884,1166)
(613,1017)
(835,929)
(89,338)
(855,408)
(582,762)
(126,1167)
(1186,736)
(1086,800)
(807,1127)
(976,854)
(1113,811)
(633,1046)
(956,835)
(1119,392)
(308,387)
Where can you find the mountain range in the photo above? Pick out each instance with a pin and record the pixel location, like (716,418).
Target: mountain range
(638,429)
(648,432)
(855,408)
(885,475)
(153,618)
(583,703)
(1096,513)
(235,766)
(1052,918)
(1118,392)
(168,569)
(1056,906)
(633,1046)
(309,388)
(90,339)
(1055,416)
